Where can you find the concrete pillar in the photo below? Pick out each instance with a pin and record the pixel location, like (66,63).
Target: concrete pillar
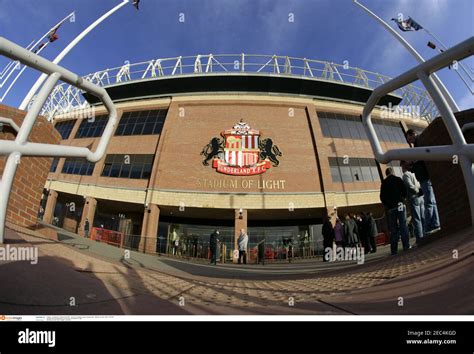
(50,205)
(90,206)
(240,222)
(149,234)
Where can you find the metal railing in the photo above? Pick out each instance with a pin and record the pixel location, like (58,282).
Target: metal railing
(67,98)
(459,148)
(20,146)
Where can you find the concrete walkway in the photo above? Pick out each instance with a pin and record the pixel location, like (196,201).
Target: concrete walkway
(80,276)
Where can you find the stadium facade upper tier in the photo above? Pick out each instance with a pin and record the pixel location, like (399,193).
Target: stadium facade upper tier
(238,73)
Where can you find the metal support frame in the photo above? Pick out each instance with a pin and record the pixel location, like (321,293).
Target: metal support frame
(10,122)
(20,146)
(66,98)
(460,148)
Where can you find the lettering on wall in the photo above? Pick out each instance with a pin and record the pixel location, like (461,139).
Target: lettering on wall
(267,184)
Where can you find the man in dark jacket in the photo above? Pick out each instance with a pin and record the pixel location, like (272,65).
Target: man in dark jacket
(392,195)
(372,232)
(328,238)
(431,217)
(213,240)
(350,232)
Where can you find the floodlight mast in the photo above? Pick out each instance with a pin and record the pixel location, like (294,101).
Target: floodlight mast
(438,83)
(42,78)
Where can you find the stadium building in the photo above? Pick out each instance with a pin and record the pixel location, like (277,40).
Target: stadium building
(265,143)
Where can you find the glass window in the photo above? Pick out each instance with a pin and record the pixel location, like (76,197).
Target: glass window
(323,122)
(65,128)
(335,174)
(136,171)
(344,127)
(352,124)
(334,128)
(374,169)
(91,129)
(361,129)
(141,122)
(345,169)
(54,165)
(365,168)
(135,166)
(78,166)
(125,171)
(356,170)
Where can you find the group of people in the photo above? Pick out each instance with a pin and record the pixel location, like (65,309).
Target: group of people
(414,189)
(242,243)
(356,231)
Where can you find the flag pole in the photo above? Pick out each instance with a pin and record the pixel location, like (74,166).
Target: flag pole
(9,64)
(71,45)
(31,47)
(447,96)
(19,74)
(445,48)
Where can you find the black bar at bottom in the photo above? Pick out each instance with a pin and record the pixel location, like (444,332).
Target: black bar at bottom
(223,337)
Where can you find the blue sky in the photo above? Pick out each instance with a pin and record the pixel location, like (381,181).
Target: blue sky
(334,30)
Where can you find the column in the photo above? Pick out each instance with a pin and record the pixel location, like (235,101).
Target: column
(149,234)
(240,222)
(50,205)
(90,206)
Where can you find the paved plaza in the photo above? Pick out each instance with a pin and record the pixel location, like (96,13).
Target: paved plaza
(77,276)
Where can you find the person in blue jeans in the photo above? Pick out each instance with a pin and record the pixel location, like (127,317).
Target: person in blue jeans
(392,195)
(432,223)
(415,199)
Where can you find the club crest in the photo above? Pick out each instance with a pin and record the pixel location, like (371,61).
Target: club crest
(241,152)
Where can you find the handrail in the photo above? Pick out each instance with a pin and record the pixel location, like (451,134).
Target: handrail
(10,122)
(20,146)
(459,148)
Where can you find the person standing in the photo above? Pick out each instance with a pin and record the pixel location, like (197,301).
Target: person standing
(392,195)
(415,198)
(372,232)
(350,232)
(338,233)
(213,242)
(432,223)
(328,237)
(242,243)
(86,228)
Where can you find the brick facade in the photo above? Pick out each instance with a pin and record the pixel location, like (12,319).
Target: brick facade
(32,172)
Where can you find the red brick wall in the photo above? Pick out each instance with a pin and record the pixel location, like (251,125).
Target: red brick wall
(31,173)
(447,178)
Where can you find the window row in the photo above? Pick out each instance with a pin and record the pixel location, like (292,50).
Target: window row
(120,166)
(132,123)
(337,125)
(349,170)
(78,166)
(141,122)
(128,166)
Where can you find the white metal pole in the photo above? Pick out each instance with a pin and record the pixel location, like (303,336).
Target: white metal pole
(18,76)
(31,93)
(8,66)
(449,99)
